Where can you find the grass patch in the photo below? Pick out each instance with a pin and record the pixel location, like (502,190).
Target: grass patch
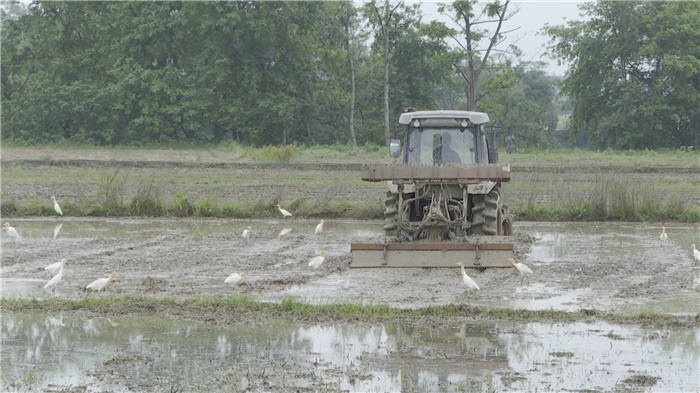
(295,309)
(271,153)
(147,203)
(643,160)
(608,197)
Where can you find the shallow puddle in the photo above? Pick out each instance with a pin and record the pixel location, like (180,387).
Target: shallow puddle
(46,352)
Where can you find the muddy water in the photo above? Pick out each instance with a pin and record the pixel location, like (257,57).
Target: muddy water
(615,267)
(43,352)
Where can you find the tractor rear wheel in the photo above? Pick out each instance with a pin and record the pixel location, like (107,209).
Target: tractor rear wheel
(391,218)
(506,228)
(391,213)
(485,213)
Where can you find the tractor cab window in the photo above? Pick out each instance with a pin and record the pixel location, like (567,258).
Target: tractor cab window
(435,146)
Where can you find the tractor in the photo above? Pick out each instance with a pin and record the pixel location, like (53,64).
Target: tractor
(444,201)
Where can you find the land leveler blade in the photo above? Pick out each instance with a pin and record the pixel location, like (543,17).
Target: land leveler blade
(491,251)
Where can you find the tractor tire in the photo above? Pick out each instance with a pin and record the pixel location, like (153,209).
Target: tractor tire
(485,213)
(391,217)
(391,214)
(506,228)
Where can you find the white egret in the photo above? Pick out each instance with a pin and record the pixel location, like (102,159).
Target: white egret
(11,231)
(55,205)
(467,280)
(53,268)
(100,283)
(56,279)
(663,236)
(319,228)
(283,232)
(57,229)
(246,233)
(234,278)
(522,268)
(696,253)
(284,212)
(317,261)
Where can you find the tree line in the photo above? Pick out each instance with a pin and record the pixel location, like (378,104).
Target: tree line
(128,73)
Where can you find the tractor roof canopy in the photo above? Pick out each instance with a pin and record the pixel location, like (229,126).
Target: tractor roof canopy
(472,117)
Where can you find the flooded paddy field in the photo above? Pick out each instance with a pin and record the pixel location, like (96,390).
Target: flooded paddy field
(611,267)
(76,352)
(616,268)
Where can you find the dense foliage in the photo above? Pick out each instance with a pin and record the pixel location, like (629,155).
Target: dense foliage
(634,79)
(128,73)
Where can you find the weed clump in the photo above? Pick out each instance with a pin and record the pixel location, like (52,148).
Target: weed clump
(146,201)
(181,205)
(272,153)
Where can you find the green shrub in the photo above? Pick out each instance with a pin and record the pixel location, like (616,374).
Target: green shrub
(109,194)
(272,153)
(146,201)
(207,207)
(181,205)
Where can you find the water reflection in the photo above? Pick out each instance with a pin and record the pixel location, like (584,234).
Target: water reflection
(548,247)
(160,354)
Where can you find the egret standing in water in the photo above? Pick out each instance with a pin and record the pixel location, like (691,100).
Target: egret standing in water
(317,261)
(663,236)
(56,279)
(319,228)
(55,205)
(54,268)
(467,280)
(284,212)
(11,231)
(246,233)
(234,278)
(522,268)
(100,283)
(696,252)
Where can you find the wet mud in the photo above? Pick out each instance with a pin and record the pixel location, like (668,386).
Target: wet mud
(609,267)
(142,346)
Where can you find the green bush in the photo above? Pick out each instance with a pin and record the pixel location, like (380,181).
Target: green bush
(146,201)
(109,194)
(181,205)
(271,153)
(207,207)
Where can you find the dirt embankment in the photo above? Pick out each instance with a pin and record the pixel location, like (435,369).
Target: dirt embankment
(228,176)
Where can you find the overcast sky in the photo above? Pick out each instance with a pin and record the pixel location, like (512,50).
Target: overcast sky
(531,18)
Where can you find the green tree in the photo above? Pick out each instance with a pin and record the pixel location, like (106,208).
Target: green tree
(380,18)
(343,21)
(421,58)
(521,101)
(634,78)
(471,17)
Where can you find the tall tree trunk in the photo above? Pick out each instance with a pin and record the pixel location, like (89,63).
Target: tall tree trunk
(284,122)
(287,90)
(473,73)
(284,134)
(352,82)
(387,132)
(475,61)
(308,131)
